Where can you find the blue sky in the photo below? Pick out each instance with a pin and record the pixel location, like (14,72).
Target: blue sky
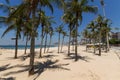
(112,9)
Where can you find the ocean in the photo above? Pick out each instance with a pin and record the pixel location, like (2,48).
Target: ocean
(21,46)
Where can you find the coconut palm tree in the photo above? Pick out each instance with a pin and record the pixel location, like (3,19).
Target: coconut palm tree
(26,32)
(106,30)
(46,37)
(15,25)
(59,29)
(77,7)
(46,22)
(69,19)
(73,38)
(30,7)
(86,36)
(51,32)
(92,27)
(64,34)
(99,21)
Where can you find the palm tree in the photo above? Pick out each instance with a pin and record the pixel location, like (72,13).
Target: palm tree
(46,22)
(69,19)
(77,7)
(73,38)
(43,19)
(46,37)
(50,34)
(30,7)
(26,32)
(99,21)
(92,26)
(86,36)
(59,29)
(64,34)
(17,27)
(106,30)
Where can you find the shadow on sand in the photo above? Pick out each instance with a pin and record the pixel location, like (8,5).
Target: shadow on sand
(9,78)
(72,56)
(39,68)
(49,56)
(51,65)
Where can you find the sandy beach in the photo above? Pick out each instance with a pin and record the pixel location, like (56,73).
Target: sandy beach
(54,66)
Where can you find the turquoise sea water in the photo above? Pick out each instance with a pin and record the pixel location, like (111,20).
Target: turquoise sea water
(20,46)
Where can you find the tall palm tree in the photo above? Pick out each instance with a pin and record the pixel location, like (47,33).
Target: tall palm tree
(106,30)
(73,38)
(46,22)
(46,37)
(86,36)
(68,18)
(15,25)
(59,29)
(30,7)
(92,26)
(43,19)
(77,7)
(64,34)
(51,32)
(99,21)
(26,32)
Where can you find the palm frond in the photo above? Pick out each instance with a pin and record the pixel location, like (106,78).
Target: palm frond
(11,27)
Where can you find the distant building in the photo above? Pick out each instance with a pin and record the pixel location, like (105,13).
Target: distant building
(115,35)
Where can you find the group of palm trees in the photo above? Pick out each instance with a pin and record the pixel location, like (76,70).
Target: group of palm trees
(97,31)
(30,16)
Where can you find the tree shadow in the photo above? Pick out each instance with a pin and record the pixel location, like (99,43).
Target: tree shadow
(39,67)
(26,68)
(5,67)
(9,78)
(62,52)
(118,55)
(72,56)
(50,51)
(49,56)
(51,65)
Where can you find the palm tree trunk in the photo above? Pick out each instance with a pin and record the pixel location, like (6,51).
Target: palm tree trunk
(32,47)
(42,37)
(16,46)
(94,46)
(32,52)
(26,44)
(73,48)
(58,42)
(49,43)
(45,44)
(69,42)
(108,46)
(62,43)
(86,44)
(76,43)
(100,43)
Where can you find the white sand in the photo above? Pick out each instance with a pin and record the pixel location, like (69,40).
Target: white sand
(61,67)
